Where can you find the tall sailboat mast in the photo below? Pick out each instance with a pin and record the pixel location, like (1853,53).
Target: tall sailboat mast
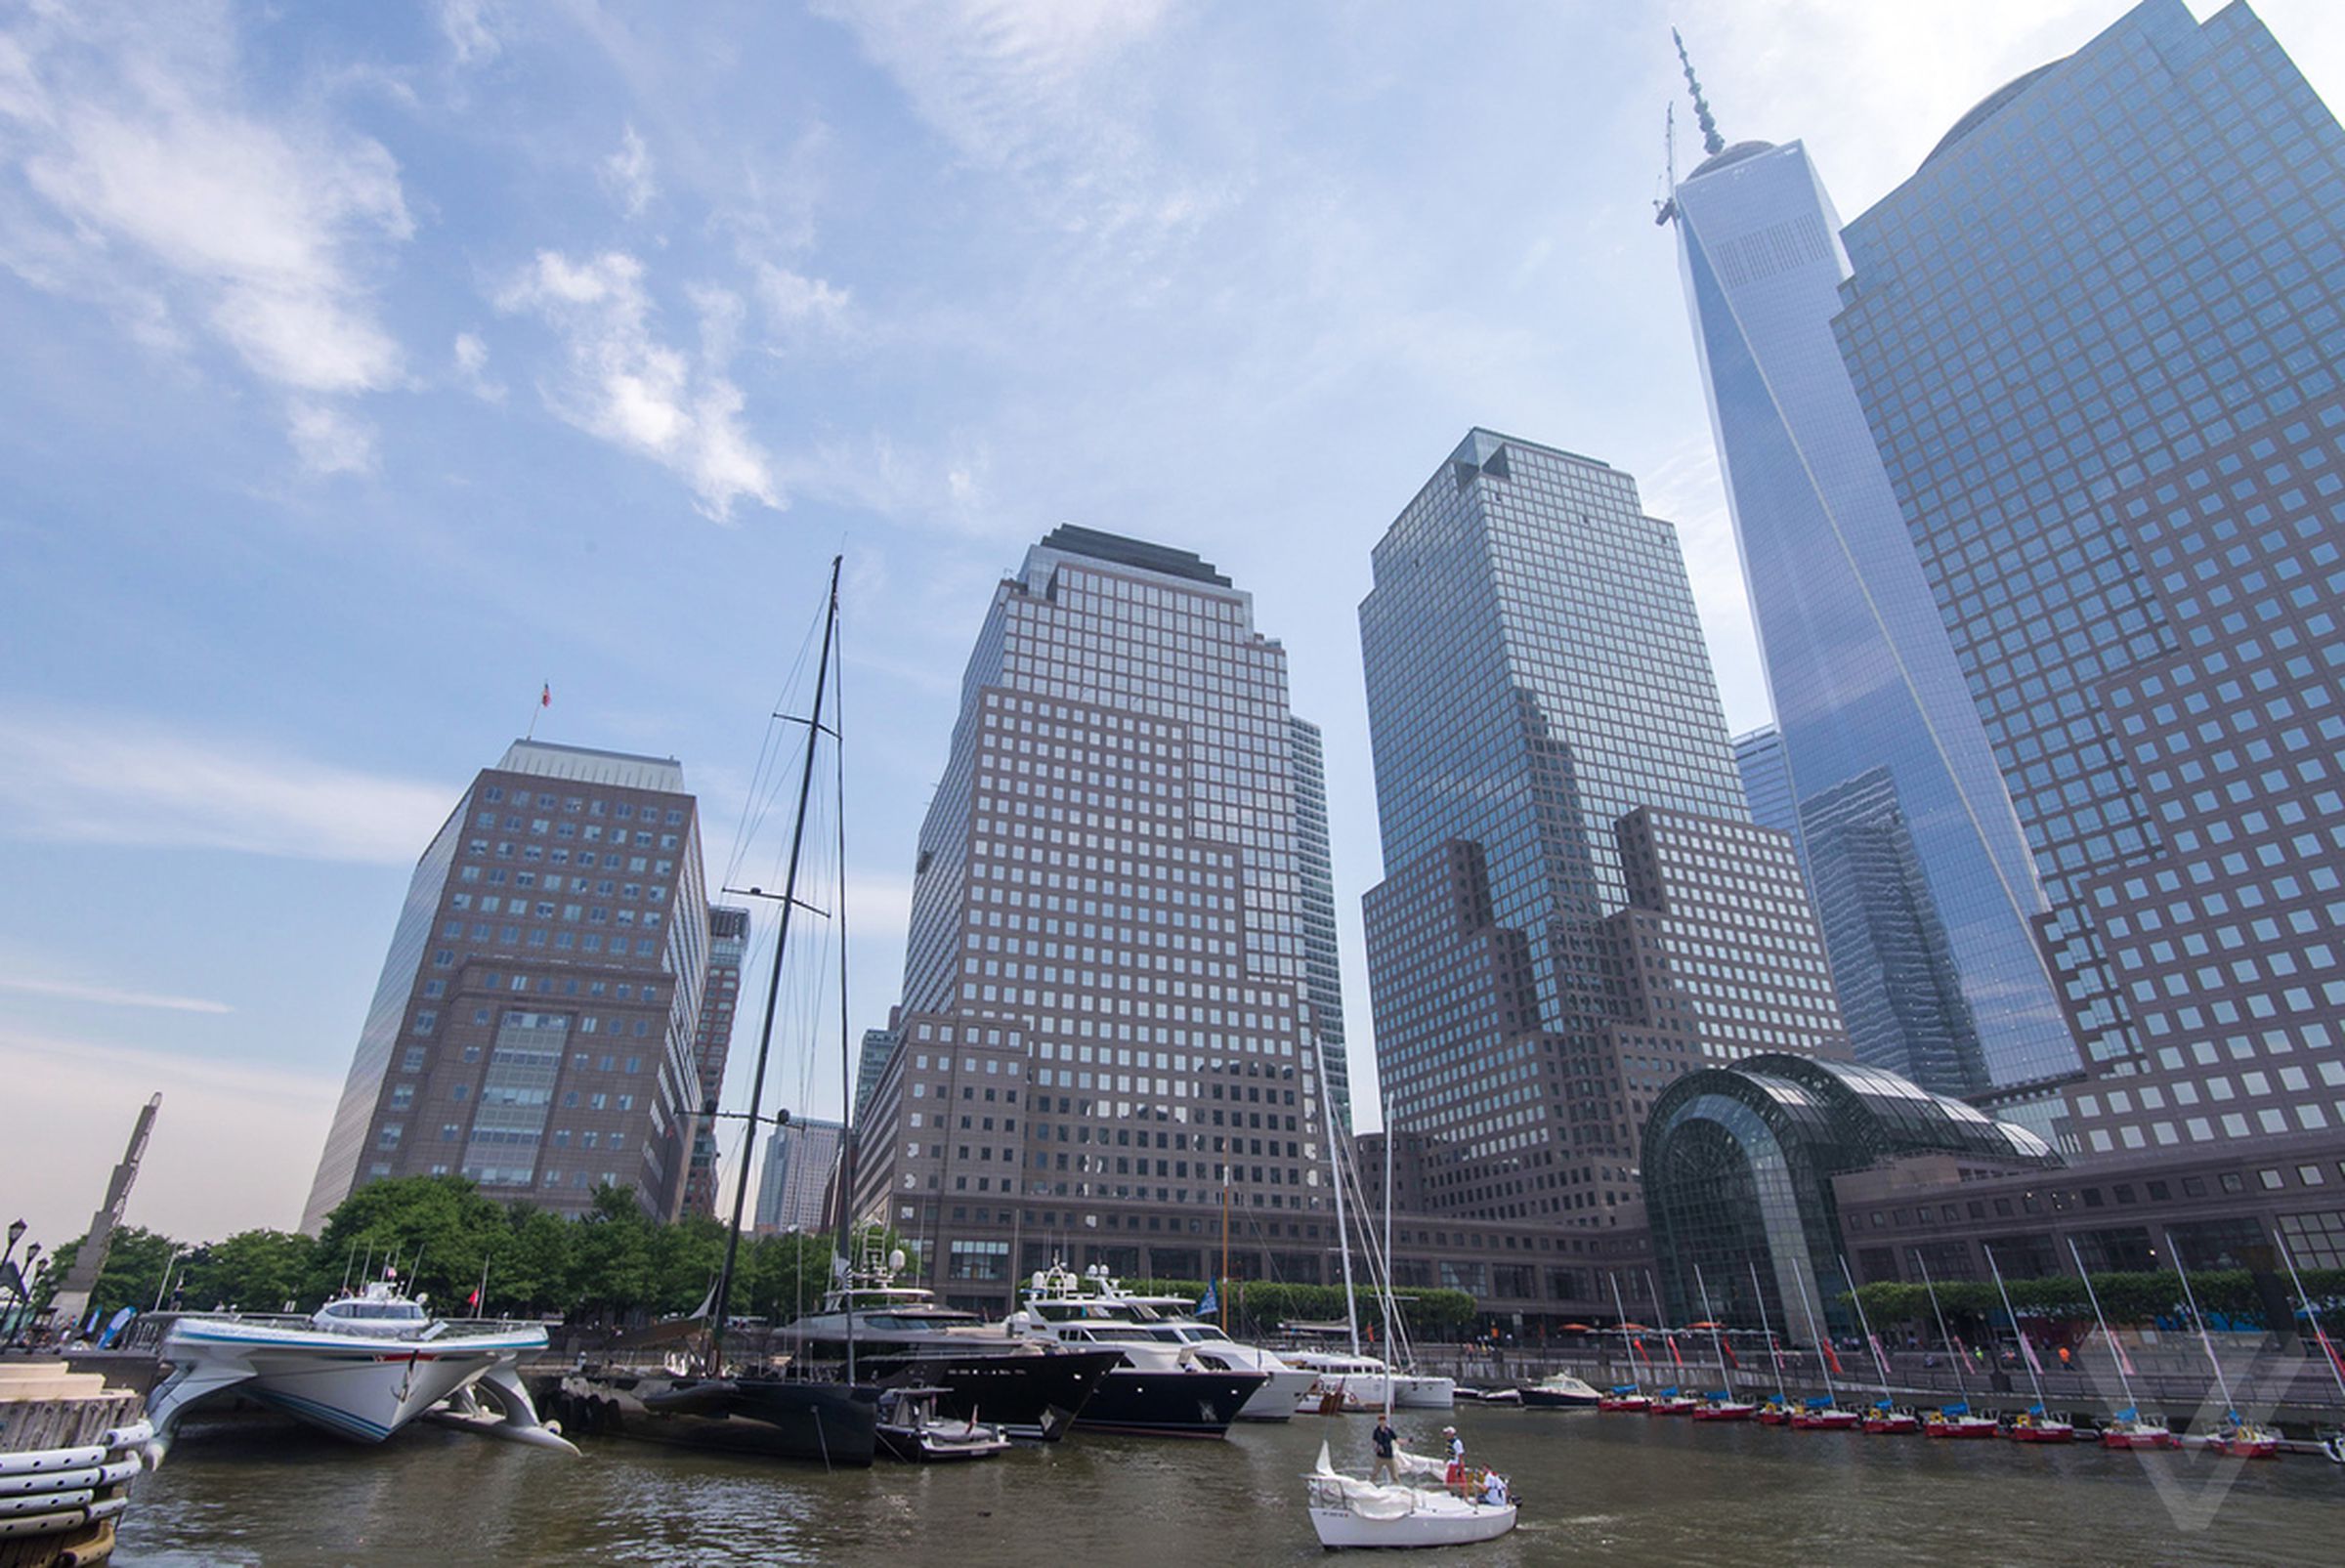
(1334,1146)
(772,985)
(1782,1395)
(2116,1356)
(1944,1336)
(2027,1351)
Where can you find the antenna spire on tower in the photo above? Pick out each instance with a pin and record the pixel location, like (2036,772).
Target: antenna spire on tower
(1712,142)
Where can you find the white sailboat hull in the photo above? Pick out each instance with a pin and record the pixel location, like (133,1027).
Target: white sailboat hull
(1443,1522)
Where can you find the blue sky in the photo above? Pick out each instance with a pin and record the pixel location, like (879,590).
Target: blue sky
(366,367)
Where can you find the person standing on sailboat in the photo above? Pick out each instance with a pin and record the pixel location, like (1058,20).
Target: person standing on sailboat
(1383,1437)
(1456,1477)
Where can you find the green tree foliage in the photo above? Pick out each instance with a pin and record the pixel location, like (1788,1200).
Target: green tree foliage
(133,1273)
(254,1270)
(434,1231)
(2129,1300)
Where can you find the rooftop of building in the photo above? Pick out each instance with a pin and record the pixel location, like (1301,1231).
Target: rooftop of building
(1481,444)
(625,770)
(1987,109)
(1071,539)
(1731,155)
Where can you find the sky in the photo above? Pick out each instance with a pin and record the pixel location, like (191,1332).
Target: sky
(365,368)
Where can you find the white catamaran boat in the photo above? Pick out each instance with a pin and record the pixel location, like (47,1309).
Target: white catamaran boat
(363,1367)
(1348,1511)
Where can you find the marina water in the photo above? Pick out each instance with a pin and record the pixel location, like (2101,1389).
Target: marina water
(1611,1489)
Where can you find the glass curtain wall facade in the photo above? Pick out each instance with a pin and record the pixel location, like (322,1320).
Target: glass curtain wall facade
(2097,339)
(1766,771)
(1738,1165)
(1107,994)
(1928,904)
(720,996)
(1322,972)
(1577,906)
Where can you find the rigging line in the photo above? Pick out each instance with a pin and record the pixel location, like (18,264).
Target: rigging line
(752,816)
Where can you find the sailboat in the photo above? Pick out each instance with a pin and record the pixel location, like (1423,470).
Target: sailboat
(1672,1400)
(2035,1424)
(1882,1417)
(1954,1419)
(1776,1412)
(1359,1382)
(1722,1406)
(1628,1398)
(2332,1445)
(2128,1428)
(2239,1438)
(1824,1415)
(720,1406)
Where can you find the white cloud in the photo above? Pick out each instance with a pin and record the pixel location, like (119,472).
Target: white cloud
(792,299)
(107,779)
(470,27)
(110,995)
(328,441)
(996,76)
(273,1121)
(627,386)
(145,181)
(471,358)
(628,174)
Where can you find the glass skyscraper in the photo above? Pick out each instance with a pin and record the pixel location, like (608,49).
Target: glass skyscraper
(2097,339)
(1919,870)
(1576,907)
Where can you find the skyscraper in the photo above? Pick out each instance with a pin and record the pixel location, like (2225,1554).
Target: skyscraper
(794,1188)
(1919,870)
(728,940)
(2097,341)
(1107,1005)
(1767,782)
(534,1027)
(879,1045)
(1322,974)
(1577,906)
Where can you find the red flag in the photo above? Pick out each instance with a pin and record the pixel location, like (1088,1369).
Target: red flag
(474,1300)
(1732,1360)
(1672,1341)
(2335,1359)
(1641,1351)
(1833,1356)
(2028,1350)
(545,698)
(1776,1351)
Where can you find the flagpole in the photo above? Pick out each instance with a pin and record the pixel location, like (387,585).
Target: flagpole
(545,699)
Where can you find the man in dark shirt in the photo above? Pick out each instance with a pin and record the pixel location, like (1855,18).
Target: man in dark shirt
(1383,1439)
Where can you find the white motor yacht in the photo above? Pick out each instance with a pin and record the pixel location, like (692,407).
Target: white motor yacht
(361,1367)
(1168,1386)
(1169,1319)
(1360,1383)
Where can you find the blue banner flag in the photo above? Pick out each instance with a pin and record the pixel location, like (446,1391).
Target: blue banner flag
(1208,1303)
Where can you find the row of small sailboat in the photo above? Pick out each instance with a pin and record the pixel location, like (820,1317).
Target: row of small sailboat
(2128,1428)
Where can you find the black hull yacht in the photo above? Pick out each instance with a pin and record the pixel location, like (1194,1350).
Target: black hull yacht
(835,1424)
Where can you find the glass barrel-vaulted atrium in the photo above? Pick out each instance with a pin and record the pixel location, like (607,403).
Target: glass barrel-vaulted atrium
(1738,1167)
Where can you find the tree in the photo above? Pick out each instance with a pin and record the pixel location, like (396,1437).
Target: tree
(135,1261)
(256,1270)
(436,1231)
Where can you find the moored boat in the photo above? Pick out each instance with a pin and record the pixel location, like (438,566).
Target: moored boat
(2129,1430)
(363,1367)
(1672,1401)
(1774,1413)
(1165,1387)
(2244,1440)
(2035,1424)
(1560,1390)
(1822,1415)
(1958,1421)
(1623,1399)
(910,1426)
(1722,1406)
(69,1448)
(834,1424)
(1885,1420)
